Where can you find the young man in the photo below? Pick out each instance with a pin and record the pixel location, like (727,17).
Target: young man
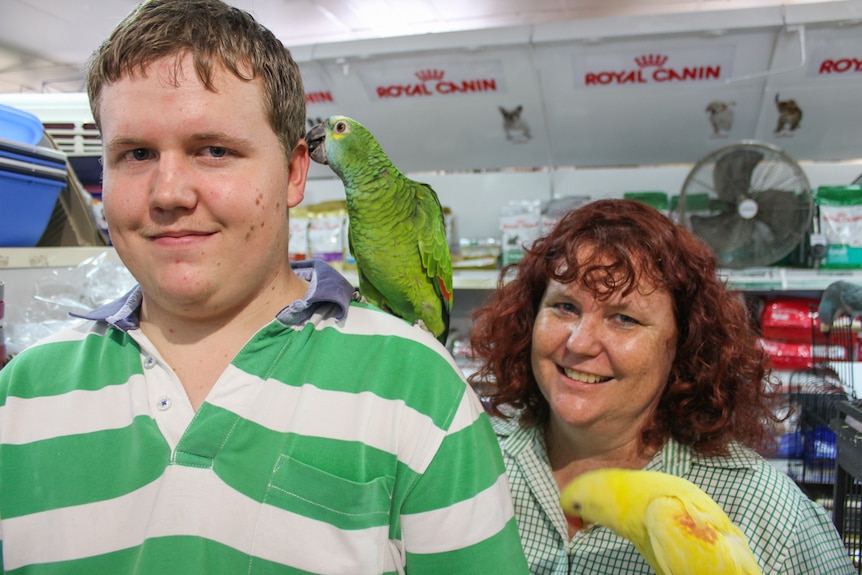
(233,414)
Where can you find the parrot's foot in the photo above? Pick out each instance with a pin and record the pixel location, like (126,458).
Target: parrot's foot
(357,296)
(421,324)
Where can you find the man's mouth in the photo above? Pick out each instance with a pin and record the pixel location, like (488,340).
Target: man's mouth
(179,234)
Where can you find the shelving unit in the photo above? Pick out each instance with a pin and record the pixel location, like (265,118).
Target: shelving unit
(28,258)
(764,279)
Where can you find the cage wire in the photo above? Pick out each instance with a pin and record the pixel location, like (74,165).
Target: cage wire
(847,505)
(836,450)
(814,394)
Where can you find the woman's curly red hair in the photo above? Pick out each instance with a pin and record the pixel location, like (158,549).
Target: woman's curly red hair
(718,389)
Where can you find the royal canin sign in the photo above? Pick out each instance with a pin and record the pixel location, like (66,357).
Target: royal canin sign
(653,69)
(839,66)
(840,58)
(432,82)
(319,97)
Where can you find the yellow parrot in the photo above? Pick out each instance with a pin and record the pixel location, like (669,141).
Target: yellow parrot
(676,527)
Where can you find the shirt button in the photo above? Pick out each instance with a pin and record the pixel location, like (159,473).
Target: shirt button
(149,362)
(163,403)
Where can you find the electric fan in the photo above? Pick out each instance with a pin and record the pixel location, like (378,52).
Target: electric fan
(750,202)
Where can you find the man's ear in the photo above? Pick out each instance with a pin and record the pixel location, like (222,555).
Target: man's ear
(298,166)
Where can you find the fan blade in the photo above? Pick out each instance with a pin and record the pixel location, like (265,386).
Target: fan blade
(723,232)
(780,209)
(762,244)
(732,175)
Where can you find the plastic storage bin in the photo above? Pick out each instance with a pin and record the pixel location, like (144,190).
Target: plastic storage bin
(31,179)
(19,126)
(2,333)
(38,155)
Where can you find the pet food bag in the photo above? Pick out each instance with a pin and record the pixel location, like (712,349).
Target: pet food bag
(520,226)
(555,209)
(326,232)
(298,222)
(841,223)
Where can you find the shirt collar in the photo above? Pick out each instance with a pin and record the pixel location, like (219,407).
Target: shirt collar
(678,459)
(326,286)
(674,457)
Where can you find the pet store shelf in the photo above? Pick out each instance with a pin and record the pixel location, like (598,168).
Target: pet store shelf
(59,257)
(787,279)
(461,279)
(752,279)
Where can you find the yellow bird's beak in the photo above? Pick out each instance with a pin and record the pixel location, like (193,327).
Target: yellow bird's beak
(575,522)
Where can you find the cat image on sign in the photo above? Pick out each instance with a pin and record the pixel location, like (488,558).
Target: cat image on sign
(789,115)
(720,116)
(516,129)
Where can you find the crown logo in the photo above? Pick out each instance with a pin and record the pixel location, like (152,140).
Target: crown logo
(430,74)
(647,60)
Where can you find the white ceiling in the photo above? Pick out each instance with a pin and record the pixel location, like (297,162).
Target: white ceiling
(44,43)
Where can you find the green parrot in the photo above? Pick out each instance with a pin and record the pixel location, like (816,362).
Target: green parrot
(396,233)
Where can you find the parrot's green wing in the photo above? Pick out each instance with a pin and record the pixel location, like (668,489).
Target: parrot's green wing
(367,288)
(433,247)
(689,540)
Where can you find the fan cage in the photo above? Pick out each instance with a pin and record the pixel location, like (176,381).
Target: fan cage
(750,202)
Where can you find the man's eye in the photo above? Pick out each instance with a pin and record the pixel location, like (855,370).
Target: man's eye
(217,152)
(139,154)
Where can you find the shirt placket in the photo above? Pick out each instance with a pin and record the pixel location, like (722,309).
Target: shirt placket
(167,401)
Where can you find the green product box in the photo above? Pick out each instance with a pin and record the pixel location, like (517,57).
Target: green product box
(840,210)
(658,200)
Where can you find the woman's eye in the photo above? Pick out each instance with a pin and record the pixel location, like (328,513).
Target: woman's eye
(566,308)
(627,319)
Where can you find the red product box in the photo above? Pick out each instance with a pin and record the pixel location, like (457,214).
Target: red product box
(797,355)
(791,319)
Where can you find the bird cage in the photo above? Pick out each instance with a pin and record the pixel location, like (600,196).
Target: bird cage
(847,501)
(815,393)
(838,349)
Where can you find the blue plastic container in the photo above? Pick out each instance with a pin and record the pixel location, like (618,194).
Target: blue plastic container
(28,194)
(20,126)
(34,154)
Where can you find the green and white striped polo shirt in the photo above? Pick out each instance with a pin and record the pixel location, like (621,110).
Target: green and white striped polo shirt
(339,440)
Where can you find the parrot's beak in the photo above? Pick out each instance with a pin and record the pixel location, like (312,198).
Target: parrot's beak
(572,513)
(576,522)
(315,138)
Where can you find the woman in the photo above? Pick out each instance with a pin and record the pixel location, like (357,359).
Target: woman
(617,345)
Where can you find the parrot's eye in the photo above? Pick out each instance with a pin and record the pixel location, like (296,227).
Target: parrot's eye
(340,127)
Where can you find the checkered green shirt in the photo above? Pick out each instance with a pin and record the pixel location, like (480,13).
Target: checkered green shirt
(788,532)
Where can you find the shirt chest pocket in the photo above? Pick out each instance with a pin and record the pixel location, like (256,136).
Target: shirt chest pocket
(319,522)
